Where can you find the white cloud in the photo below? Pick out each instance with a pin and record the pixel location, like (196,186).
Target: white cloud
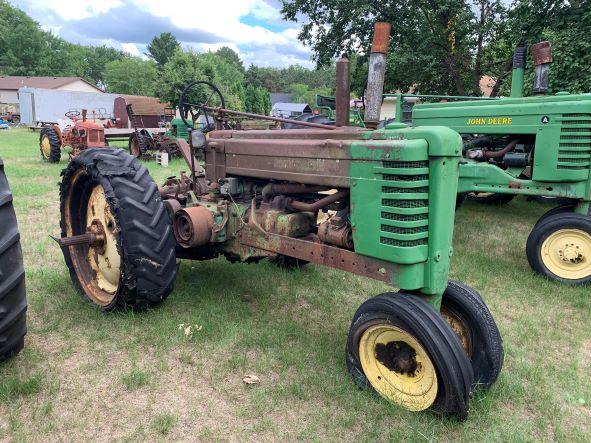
(131,48)
(74,10)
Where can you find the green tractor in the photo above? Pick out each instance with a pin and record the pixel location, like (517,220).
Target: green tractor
(535,146)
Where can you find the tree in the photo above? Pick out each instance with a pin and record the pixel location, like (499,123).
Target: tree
(131,75)
(187,66)
(230,56)
(161,48)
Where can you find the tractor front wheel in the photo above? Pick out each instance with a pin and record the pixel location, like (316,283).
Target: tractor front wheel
(559,247)
(139,144)
(131,259)
(50,145)
(400,346)
(467,314)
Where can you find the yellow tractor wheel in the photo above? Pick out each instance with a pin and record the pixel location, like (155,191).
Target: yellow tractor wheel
(401,347)
(50,145)
(559,247)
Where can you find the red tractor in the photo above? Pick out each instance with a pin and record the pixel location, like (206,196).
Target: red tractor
(78,133)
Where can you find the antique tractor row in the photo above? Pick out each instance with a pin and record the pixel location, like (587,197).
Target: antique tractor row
(78,135)
(13,302)
(390,198)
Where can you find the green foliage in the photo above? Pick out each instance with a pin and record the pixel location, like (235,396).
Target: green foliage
(230,56)
(280,80)
(257,100)
(187,66)
(161,48)
(300,93)
(131,75)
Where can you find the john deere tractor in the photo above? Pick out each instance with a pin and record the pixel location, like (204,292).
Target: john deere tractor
(537,146)
(387,198)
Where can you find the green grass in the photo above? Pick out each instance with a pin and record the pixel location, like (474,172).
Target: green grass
(130,376)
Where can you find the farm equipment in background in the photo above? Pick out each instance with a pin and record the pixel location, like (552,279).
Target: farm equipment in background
(144,144)
(535,146)
(13,300)
(11,118)
(77,132)
(388,200)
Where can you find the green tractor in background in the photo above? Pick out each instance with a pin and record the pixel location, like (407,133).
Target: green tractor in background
(535,146)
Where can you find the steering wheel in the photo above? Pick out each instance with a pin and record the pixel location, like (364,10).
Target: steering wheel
(72,113)
(215,99)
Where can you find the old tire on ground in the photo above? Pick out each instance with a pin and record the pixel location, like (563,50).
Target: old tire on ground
(559,247)
(489,198)
(402,347)
(562,209)
(463,308)
(139,143)
(135,266)
(50,145)
(13,302)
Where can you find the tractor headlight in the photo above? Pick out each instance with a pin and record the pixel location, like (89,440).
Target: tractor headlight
(197,139)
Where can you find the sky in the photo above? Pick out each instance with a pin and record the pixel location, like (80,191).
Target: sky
(253,28)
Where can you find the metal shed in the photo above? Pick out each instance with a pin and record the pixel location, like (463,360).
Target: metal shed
(290,110)
(148,111)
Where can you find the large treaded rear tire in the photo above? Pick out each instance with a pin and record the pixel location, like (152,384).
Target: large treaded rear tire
(55,144)
(416,316)
(13,302)
(145,239)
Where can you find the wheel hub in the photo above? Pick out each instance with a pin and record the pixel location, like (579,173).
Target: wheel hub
(566,253)
(398,367)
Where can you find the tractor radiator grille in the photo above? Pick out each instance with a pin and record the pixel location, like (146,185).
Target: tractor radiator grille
(405,203)
(574,152)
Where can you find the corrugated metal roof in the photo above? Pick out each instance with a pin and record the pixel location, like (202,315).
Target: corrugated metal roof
(292,107)
(13,82)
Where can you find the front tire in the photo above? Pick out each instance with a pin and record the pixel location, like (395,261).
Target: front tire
(401,347)
(13,302)
(112,192)
(50,145)
(467,314)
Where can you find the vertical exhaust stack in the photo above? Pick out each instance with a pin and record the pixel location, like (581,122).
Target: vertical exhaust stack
(375,76)
(343,92)
(518,69)
(542,55)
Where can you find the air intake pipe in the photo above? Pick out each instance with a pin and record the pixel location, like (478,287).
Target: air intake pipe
(542,55)
(376,74)
(518,69)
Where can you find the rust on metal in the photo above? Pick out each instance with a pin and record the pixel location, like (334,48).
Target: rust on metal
(541,53)
(193,226)
(336,232)
(343,94)
(320,204)
(220,112)
(320,253)
(381,37)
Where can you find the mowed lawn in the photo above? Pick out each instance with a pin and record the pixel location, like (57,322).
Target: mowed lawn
(131,376)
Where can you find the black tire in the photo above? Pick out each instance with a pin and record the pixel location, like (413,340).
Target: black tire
(563,209)
(419,319)
(143,231)
(488,198)
(288,263)
(13,301)
(55,145)
(463,307)
(139,144)
(548,226)
(460,199)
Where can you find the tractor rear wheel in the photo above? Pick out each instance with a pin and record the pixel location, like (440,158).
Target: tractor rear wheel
(402,347)
(50,145)
(559,247)
(111,194)
(13,302)
(467,314)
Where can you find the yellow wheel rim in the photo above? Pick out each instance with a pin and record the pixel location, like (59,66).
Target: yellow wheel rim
(459,328)
(567,254)
(46,146)
(398,367)
(105,260)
